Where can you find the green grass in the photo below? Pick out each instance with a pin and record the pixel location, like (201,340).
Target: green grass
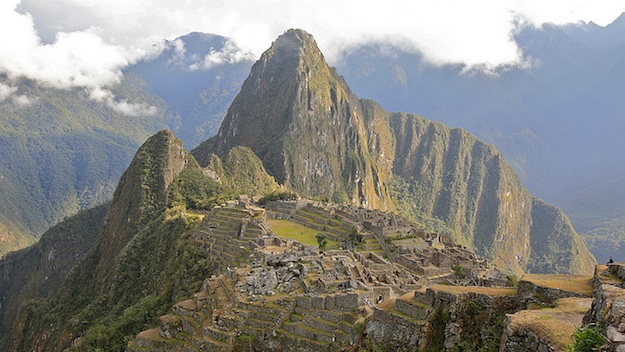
(298,232)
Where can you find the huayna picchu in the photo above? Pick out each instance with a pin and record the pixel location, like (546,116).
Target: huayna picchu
(314,220)
(318,139)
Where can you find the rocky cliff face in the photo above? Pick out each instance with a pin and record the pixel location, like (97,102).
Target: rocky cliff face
(107,280)
(299,116)
(317,138)
(467,184)
(141,193)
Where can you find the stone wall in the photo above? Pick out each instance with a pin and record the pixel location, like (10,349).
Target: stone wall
(608,306)
(394,332)
(523,341)
(528,292)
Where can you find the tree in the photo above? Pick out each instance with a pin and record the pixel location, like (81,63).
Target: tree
(355,237)
(322,241)
(458,271)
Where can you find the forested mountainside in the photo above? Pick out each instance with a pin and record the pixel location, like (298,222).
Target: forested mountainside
(196,76)
(597,212)
(558,121)
(146,257)
(39,270)
(317,138)
(61,151)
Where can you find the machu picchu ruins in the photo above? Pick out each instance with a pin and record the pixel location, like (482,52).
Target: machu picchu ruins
(382,281)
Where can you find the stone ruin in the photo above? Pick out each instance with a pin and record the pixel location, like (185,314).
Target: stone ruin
(284,293)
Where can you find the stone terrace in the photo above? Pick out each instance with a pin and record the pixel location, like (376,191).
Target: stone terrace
(282,294)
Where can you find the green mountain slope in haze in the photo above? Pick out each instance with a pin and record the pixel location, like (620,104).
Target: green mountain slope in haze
(598,212)
(64,151)
(39,270)
(317,138)
(147,256)
(61,153)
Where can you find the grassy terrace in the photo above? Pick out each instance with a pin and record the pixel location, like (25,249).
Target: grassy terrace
(555,325)
(573,283)
(194,213)
(492,291)
(298,232)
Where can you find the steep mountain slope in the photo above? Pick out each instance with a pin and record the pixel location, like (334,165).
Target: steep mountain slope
(535,116)
(147,256)
(61,153)
(39,270)
(301,119)
(559,122)
(197,76)
(598,212)
(319,139)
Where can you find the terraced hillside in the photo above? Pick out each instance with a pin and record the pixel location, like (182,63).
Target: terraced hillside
(276,292)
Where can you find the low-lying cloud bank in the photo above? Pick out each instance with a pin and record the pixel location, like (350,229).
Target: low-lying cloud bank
(86,43)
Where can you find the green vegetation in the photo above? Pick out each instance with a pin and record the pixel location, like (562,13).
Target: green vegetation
(358,328)
(278,195)
(458,271)
(353,239)
(298,232)
(196,191)
(556,247)
(322,241)
(405,193)
(156,259)
(245,343)
(482,328)
(39,270)
(597,213)
(62,153)
(587,339)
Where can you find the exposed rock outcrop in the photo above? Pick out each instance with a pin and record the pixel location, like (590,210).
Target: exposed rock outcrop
(317,138)
(608,306)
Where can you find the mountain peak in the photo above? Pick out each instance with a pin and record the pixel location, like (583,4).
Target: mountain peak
(295,42)
(317,138)
(296,50)
(292,106)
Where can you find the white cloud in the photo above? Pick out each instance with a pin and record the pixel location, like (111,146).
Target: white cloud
(229,54)
(179,51)
(74,59)
(86,42)
(77,59)
(6,91)
(23,101)
(122,106)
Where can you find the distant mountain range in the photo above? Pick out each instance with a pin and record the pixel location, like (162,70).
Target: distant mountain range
(65,152)
(196,76)
(296,123)
(558,123)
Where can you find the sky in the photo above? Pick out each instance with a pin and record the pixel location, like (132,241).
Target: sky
(86,43)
